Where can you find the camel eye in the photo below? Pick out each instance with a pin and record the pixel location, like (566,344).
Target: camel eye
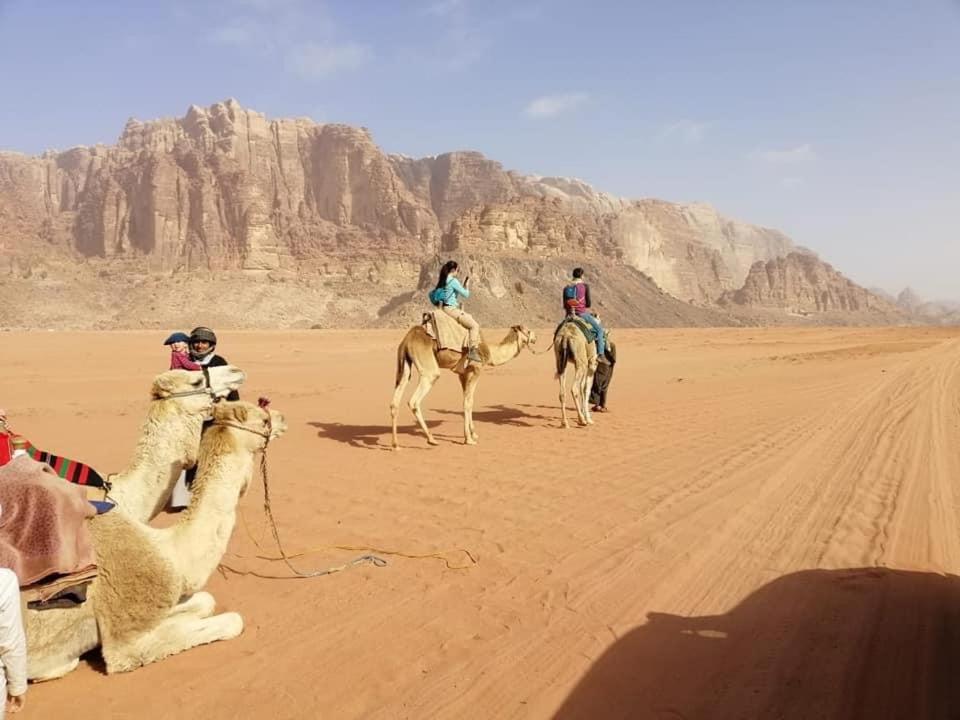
(197,383)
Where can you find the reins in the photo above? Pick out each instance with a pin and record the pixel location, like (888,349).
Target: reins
(268,510)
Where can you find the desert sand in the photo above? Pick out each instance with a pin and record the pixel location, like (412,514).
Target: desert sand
(764,526)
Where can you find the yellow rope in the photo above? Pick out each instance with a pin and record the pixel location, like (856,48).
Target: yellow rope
(364,548)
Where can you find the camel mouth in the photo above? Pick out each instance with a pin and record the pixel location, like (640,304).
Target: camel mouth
(278,425)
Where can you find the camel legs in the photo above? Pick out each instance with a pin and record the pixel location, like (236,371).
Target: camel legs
(562,377)
(56,639)
(395,402)
(587,385)
(180,631)
(201,604)
(469,380)
(579,379)
(427,379)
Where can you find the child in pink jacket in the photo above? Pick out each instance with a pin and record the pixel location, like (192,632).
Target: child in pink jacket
(179,357)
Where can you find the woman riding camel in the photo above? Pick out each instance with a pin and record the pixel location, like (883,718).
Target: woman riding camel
(446,295)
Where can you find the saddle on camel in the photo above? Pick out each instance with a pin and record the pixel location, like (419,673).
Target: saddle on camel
(44,509)
(446,332)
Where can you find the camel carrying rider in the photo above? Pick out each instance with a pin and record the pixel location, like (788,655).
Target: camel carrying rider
(576,301)
(446,296)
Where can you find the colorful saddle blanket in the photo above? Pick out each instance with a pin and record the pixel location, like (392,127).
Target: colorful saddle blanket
(70,470)
(586,328)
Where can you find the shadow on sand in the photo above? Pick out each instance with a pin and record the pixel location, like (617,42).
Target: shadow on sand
(844,644)
(368,437)
(499,415)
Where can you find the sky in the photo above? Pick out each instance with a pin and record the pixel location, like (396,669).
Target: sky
(836,121)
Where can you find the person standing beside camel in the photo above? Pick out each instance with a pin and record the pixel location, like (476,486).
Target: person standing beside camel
(603,376)
(446,296)
(13,645)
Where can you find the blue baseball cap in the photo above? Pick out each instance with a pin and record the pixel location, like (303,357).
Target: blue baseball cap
(177,337)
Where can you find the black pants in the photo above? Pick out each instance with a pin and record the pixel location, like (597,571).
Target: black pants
(601,383)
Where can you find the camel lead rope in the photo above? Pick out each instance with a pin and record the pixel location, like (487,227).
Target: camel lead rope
(377,561)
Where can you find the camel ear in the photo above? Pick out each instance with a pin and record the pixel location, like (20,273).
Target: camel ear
(163,384)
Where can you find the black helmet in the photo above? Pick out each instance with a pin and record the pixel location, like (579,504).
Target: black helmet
(203,333)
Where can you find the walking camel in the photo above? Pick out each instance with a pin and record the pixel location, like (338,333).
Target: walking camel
(418,349)
(145,605)
(570,346)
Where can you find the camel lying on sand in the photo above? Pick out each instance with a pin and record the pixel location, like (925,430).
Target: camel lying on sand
(418,349)
(170,437)
(145,605)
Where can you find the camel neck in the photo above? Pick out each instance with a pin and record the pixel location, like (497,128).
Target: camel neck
(167,444)
(504,351)
(203,531)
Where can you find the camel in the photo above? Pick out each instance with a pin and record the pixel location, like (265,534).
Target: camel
(570,346)
(418,349)
(170,438)
(145,603)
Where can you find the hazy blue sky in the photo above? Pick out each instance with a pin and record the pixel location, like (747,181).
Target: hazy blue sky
(837,122)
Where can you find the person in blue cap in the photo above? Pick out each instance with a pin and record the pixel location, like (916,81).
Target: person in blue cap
(179,343)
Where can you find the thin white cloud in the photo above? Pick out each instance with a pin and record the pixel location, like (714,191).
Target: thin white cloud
(791,182)
(787,156)
(553,105)
(442,8)
(687,132)
(236,35)
(315,60)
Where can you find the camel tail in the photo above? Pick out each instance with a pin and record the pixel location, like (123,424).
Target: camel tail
(562,355)
(402,361)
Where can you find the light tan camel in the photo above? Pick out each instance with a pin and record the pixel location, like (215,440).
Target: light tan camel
(145,604)
(170,437)
(570,346)
(418,349)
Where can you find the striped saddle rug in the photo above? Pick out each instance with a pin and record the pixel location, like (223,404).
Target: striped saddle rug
(70,470)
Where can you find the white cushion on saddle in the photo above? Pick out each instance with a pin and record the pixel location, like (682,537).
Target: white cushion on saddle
(449,334)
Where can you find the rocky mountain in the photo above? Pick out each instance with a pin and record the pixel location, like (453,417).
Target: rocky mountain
(802,285)
(308,223)
(930,312)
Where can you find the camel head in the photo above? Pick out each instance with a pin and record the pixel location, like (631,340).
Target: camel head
(525,336)
(252,425)
(190,390)
(225,379)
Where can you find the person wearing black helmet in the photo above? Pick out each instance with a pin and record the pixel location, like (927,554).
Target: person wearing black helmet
(203,343)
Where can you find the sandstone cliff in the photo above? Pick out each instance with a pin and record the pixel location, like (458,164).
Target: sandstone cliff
(802,284)
(225,195)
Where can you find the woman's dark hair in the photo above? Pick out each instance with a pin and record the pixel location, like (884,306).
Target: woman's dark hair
(448,267)
(577,273)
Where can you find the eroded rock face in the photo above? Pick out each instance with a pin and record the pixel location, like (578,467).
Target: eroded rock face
(803,283)
(226,188)
(226,192)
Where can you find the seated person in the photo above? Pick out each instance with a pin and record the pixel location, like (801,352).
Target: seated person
(576,301)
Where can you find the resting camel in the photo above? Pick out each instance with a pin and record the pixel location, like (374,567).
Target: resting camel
(418,349)
(145,605)
(570,346)
(170,437)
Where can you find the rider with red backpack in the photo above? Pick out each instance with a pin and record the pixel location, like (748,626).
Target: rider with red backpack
(576,301)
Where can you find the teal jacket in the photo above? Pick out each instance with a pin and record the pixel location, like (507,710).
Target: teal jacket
(453,291)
